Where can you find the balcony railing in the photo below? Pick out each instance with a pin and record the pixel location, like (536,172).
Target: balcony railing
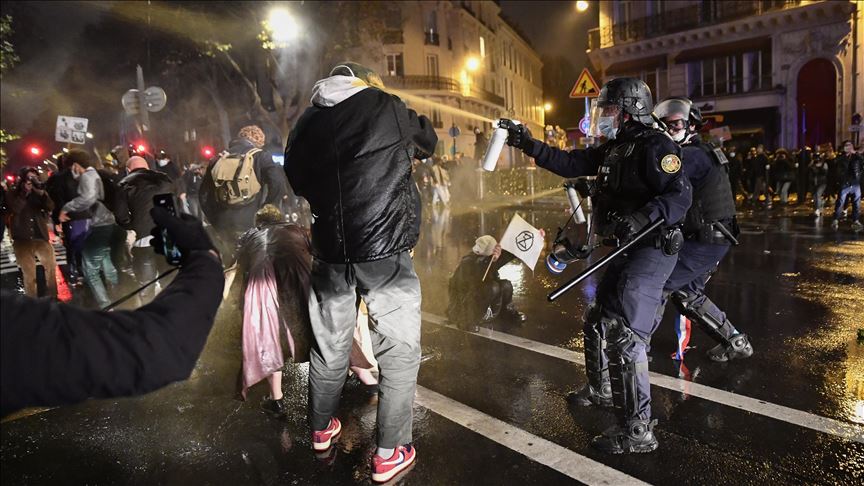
(484,95)
(431,39)
(436,83)
(392,37)
(681,19)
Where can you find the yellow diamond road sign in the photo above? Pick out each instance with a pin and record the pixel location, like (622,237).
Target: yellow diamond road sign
(585,86)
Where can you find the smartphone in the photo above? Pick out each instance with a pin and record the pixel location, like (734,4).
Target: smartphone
(172,253)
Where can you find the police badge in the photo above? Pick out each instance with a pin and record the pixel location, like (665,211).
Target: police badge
(670,164)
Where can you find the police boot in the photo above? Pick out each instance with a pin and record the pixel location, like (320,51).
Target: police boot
(588,395)
(637,436)
(598,390)
(738,347)
(628,373)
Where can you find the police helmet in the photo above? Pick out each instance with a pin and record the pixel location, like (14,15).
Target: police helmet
(682,106)
(632,95)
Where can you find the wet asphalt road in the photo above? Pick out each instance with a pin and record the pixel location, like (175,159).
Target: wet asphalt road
(794,285)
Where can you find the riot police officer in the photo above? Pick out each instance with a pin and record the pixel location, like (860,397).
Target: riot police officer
(639,180)
(709,229)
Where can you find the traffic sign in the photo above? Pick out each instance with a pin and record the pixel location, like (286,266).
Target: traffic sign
(585,86)
(454,131)
(584,124)
(155,98)
(130,102)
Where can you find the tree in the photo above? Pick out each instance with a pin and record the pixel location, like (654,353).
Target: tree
(8,59)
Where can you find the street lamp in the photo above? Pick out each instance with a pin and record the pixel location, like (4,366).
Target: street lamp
(581,5)
(472,64)
(89,135)
(283,26)
(547,107)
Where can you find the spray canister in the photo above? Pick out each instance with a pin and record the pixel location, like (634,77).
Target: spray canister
(493,151)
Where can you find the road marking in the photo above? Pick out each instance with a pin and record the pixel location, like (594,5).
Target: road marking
(531,446)
(778,412)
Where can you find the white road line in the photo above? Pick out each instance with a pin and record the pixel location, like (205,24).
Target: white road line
(778,412)
(531,446)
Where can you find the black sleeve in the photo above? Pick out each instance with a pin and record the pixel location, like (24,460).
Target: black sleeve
(566,164)
(416,130)
(273,177)
(664,176)
(121,209)
(294,160)
(56,354)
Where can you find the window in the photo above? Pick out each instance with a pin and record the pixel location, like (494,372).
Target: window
(622,20)
(432,65)
(482,47)
(436,118)
(395,66)
(430,27)
(738,73)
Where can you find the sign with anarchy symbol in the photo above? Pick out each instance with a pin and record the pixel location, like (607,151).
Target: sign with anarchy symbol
(525,240)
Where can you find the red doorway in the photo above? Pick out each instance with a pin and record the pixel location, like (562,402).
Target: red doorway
(817,92)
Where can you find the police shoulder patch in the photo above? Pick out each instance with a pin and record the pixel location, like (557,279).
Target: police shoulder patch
(670,164)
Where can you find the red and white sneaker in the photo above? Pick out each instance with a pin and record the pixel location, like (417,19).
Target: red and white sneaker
(322,439)
(384,470)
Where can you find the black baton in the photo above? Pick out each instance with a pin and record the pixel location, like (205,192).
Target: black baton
(603,261)
(719,227)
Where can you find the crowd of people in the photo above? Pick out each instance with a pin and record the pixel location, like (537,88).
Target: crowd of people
(820,175)
(304,290)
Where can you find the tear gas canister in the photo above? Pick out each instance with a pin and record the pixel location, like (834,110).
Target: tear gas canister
(493,150)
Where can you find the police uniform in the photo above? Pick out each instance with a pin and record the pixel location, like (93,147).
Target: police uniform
(713,210)
(639,172)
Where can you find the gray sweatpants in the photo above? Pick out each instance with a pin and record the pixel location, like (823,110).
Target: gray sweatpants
(391,291)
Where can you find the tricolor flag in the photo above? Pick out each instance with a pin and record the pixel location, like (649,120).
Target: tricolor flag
(682,330)
(523,240)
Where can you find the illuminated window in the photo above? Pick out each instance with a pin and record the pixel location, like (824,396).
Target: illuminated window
(482,47)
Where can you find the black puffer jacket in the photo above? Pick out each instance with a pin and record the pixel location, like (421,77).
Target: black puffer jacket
(352,162)
(139,187)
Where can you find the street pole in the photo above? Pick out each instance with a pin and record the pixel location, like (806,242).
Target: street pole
(145,114)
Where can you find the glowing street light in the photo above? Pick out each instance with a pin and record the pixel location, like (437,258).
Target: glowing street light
(547,107)
(472,64)
(283,26)
(581,5)
(89,135)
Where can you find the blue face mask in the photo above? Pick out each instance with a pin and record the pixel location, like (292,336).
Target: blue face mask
(606,126)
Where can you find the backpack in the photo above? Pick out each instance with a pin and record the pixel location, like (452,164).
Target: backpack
(111,189)
(235,179)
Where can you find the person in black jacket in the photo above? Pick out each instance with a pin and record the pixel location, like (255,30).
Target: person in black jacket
(474,299)
(29,206)
(138,189)
(350,156)
(63,187)
(231,221)
(57,354)
(848,168)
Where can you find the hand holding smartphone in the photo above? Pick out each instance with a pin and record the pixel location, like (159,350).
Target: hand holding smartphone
(171,251)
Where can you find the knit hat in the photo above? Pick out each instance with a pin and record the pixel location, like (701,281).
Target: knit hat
(485,245)
(254,134)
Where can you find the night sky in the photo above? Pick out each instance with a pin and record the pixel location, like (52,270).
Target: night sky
(557,29)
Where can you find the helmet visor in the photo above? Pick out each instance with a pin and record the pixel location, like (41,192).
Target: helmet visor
(671,107)
(604,119)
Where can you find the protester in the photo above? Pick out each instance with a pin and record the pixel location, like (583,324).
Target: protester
(819,182)
(783,174)
(56,354)
(760,176)
(440,182)
(477,293)
(274,262)
(29,207)
(238,184)
(347,157)
(62,187)
(736,170)
(848,168)
(96,252)
(803,157)
(138,189)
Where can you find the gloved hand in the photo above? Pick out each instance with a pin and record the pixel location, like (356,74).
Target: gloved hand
(630,224)
(186,231)
(517,135)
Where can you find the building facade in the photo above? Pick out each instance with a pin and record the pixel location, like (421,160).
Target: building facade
(785,73)
(462,65)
